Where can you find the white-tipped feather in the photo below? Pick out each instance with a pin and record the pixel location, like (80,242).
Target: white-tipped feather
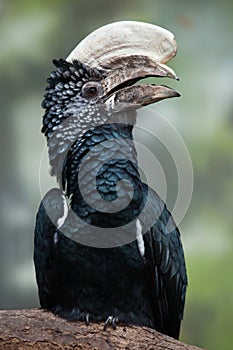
(55,237)
(61,220)
(139,237)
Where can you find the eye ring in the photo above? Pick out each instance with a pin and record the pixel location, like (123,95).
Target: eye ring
(91,90)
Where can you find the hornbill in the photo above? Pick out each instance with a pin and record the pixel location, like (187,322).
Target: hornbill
(103,250)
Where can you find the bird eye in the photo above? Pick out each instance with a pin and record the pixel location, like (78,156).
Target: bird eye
(91,90)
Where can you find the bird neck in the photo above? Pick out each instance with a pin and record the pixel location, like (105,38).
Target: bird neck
(101,174)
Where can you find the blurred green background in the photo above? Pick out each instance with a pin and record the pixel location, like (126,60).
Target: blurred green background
(31,35)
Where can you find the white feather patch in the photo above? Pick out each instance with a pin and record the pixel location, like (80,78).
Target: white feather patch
(55,237)
(139,237)
(61,220)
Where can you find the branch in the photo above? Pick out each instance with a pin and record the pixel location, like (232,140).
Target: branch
(38,329)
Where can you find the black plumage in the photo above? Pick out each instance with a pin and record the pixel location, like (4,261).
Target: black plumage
(84,269)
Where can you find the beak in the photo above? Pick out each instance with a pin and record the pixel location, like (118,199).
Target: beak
(126,52)
(134,97)
(119,91)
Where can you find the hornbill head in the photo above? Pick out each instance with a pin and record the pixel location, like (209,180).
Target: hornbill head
(124,53)
(95,84)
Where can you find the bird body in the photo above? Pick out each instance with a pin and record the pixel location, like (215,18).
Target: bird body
(102,247)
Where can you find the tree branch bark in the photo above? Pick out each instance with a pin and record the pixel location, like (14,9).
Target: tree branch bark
(38,329)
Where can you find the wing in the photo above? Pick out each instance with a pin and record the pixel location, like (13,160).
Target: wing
(164,253)
(51,210)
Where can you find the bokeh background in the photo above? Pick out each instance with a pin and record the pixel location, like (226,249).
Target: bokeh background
(32,33)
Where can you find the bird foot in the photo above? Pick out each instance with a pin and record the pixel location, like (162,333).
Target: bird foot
(74,314)
(85,317)
(111,321)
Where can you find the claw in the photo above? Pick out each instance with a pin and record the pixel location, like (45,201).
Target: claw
(115,322)
(87,319)
(108,322)
(111,321)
